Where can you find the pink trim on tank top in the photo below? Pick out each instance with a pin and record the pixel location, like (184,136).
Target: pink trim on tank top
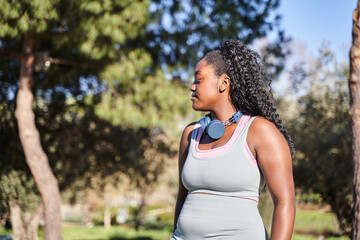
(215,152)
(250,155)
(256,199)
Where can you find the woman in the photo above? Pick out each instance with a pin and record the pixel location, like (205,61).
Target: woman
(225,158)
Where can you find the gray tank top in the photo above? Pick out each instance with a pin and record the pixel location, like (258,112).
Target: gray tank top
(229,170)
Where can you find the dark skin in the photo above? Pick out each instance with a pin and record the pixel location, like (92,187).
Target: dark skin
(267,144)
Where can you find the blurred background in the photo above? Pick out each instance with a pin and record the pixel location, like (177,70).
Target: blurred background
(110,81)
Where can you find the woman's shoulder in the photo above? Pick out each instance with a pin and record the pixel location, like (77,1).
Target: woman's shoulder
(189,127)
(186,135)
(261,129)
(185,140)
(262,124)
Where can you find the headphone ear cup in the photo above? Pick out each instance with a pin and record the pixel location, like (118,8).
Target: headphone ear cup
(215,129)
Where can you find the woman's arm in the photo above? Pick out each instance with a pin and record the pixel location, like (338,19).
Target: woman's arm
(183,152)
(273,154)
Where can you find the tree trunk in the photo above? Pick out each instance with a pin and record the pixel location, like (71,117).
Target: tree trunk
(86,210)
(3,218)
(107,217)
(32,220)
(25,225)
(140,222)
(30,140)
(18,230)
(107,214)
(354,112)
(336,224)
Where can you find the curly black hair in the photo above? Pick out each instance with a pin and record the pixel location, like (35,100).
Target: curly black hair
(250,86)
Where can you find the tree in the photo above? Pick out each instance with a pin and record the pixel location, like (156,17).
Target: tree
(31,21)
(321,133)
(19,192)
(354,87)
(30,140)
(180,32)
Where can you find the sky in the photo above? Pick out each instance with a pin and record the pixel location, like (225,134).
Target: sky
(312,21)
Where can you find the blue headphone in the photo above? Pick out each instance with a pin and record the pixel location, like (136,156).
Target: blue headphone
(215,128)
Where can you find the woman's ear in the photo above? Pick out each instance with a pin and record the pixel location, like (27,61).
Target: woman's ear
(224,83)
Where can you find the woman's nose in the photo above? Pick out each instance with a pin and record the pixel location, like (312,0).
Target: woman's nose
(193,87)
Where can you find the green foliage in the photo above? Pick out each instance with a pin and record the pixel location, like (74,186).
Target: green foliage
(182,31)
(122,44)
(19,188)
(312,198)
(154,103)
(16,184)
(74,131)
(26,16)
(322,137)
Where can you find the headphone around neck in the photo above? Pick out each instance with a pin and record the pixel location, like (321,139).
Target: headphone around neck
(215,128)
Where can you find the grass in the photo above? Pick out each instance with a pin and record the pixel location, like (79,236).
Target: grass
(114,233)
(308,237)
(320,221)
(309,225)
(100,233)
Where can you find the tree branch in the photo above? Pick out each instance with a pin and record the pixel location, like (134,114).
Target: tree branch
(58,61)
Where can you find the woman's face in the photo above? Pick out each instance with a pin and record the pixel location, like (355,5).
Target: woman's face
(205,88)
